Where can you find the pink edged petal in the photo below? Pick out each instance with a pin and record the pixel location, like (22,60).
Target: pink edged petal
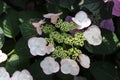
(49,65)
(84,60)
(37,25)
(50,48)
(4,75)
(107,1)
(93,35)
(49,15)
(39,30)
(69,66)
(54,19)
(3,57)
(82,20)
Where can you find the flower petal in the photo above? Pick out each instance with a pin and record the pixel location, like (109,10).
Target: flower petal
(84,60)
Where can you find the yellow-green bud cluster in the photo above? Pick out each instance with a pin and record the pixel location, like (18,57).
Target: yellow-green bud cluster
(66,38)
(50,40)
(59,35)
(72,53)
(65,26)
(48,28)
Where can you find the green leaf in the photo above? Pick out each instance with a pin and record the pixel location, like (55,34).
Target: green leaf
(18,3)
(103,71)
(20,59)
(22,49)
(27,15)
(10,24)
(62,76)
(9,44)
(93,5)
(108,46)
(1,38)
(1,6)
(62,3)
(27,30)
(16,62)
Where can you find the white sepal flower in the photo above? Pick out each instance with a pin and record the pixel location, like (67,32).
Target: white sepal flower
(53,17)
(50,48)
(69,66)
(3,57)
(84,60)
(82,20)
(4,75)
(24,75)
(49,65)
(37,46)
(93,35)
(37,25)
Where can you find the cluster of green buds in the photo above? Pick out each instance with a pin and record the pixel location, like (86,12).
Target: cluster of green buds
(77,40)
(47,28)
(66,45)
(72,53)
(65,26)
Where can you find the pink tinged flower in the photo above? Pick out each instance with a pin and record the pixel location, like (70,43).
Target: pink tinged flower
(82,20)
(53,16)
(37,46)
(24,75)
(50,48)
(3,57)
(69,66)
(107,24)
(49,65)
(116,8)
(37,25)
(93,35)
(4,75)
(84,60)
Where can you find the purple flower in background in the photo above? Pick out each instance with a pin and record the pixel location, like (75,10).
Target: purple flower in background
(116,8)
(107,24)
(68,19)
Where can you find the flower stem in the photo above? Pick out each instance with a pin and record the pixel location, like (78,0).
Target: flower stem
(11,52)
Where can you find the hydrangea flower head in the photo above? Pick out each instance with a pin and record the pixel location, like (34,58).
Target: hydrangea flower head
(93,35)
(3,57)
(24,75)
(37,46)
(4,75)
(84,60)
(53,17)
(69,66)
(82,20)
(37,26)
(49,65)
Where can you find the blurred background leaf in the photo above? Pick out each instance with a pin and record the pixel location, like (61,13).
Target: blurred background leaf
(1,38)
(103,71)
(11,24)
